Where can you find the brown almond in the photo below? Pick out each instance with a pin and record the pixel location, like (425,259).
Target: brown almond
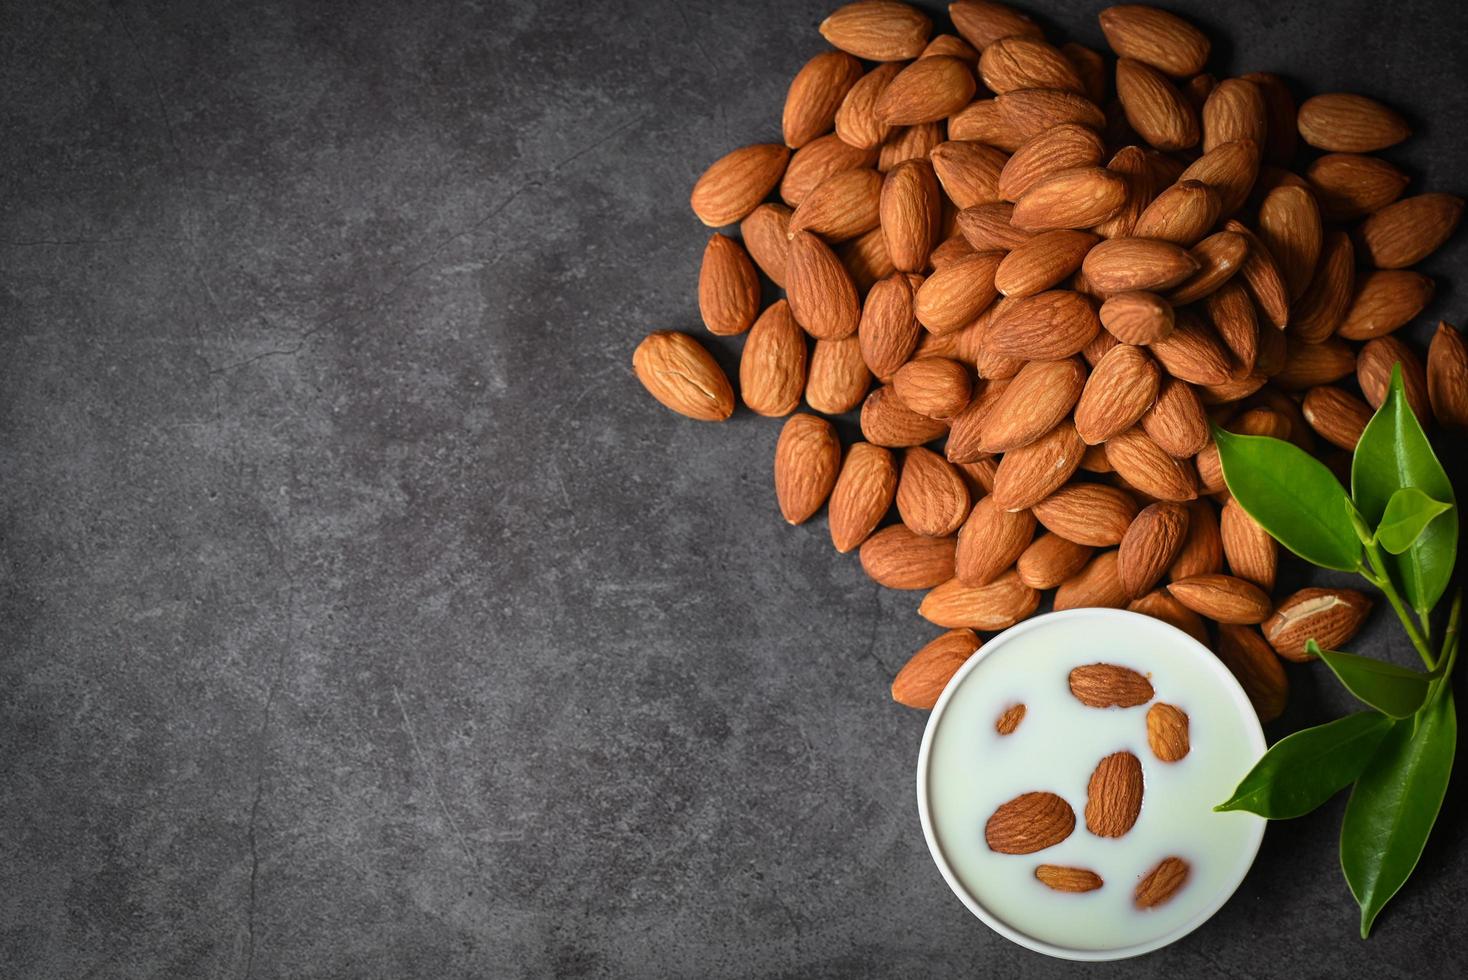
(1028,823)
(1408,231)
(1167,732)
(1161,39)
(1339,416)
(1159,604)
(922,679)
(1050,560)
(817,160)
(1098,585)
(1249,658)
(1031,473)
(1045,326)
(1182,214)
(1031,111)
(1235,110)
(772,364)
(682,375)
(1308,365)
(736,183)
(1231,311)
(840,207)
(986,228)
(1109,686)
(950,250)
(815,94)
(1202,551)
(1252,554)
(1132,165)
(996,606)
(1219,257)
(990,541)
(1015,63)
(1322,308)
(1008,721)
(1161,883)
(888,331)
(885,421)
(1042,262)
(1374,363)
(905,143)
(865,260)
(856,119)
(1090,67)
(1176,421)
(807,460)
(910,209)
(969,171)
(1114,795)
(951,298)
(925,91)
(1037,399)
(1121,388)
(1193,351)
(1330,617)
(878,30)
(1119,265)
(1230,169)
(933,386)
(1146,466)
(932,498)
(1289,226)
(728,287)
(951,44)
(1351,186)
(1154,107)
(764,233)
(822,296)
(1447,377)
(1279,106)
(1137,317)
(897,558)
(982,22)
(1343,123)
(984,121)
(1063,879)
(1263,277)
(1077,198)
(1152,543)
(862,495)
(1224,598)
(1385,300)
(839,378)
(1088,513)
(1064,147)
(966,432)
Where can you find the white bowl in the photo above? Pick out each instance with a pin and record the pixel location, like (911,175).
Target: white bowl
(1178,644)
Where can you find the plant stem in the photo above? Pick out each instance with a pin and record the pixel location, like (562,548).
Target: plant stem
(1383,581)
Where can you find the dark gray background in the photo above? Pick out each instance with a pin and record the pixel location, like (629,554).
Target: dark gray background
(363,617)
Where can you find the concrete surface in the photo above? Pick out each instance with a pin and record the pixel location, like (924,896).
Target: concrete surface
(361,615)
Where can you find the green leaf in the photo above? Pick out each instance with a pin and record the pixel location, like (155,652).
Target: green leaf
(1305,769)
(1394,691)
(1393,454)
(1293,496)
(1395,803)
(1407,515)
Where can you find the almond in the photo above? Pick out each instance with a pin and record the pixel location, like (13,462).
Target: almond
(990,541)
(822,296)
(1263,277)
(1045,326)
(1030,822)
(969,171)
(951,44)
(1231,311)
(1114,795)
(1230,169)
(1097,585)
(1090,67)
(878,30)
(1279,107)
(1235,110)
(677,371)
(1447,377)
(1408,231)
(1009,720)
(1252,554)
(996,606)
(1343,123)
(888,331)
(1159,604)
(1222,597)
(950,250)
(1289,226)
(1124,264)
(984,121)
(1121,388)
(1374,374)
(922,679)
(951,298)
(1062,879)
(897,558)
(932,498)
(1032,111)
(1182,214)
(1042,262)
(856,119)
(1317,313)
(1154,107)
(910,210)
(1031,473)
(865,260)
(764,233)
(909,143)
(1146,466)
(1340,417)
(1176,421)
(728,287)
(1350,186)
(1109,686)
(1137,317)
(1088,513)
(736,183)
(1193,351)
(1152,542)
(1063,147)
(1219,257)
(1077,198)
(885,421)
(1385,300)
(1330,617)
(1160,39)
(862,495)
(925,91)
(986,228)
(982,22)
(966,430)
(1202,552)
(772,364)
(840,207)
(1249,658)
(1050,560)
(1015,63)
(934,386)
(1131,164)
(814,162)
(1308,365)
(815,94)
(807,459)
(1038,399)
(1161,883)
(839,378)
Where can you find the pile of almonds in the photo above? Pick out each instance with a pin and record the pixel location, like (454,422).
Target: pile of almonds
(1040,281)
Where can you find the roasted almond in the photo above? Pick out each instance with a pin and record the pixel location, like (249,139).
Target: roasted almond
(764,233)
(1098,585)
(996,606)
(1235,110)
(863,493)
(1031,473)
(1030,822)
(1159,38)
(1385,300)
(807,460)
(815,94)
(910,209)
(1151,544)
(1077,198)
(1374,363)
(1109,686)
(986,228)
(1193,351)
(926,90)
(1015,63)
(1050,560)
(1161,883)
(1042,262)
(932,497)
(888,330)
(839,378)
(1249,658)
(1146,466)
(1159,604)
(1121,388)
(1224,598)
(897,558)
(982,22)
(1182,214)
(1154,107)
(1063,879)
(840,207)
(1045,326)
(951,44)
(736,183)
(905,143)
(814,162)
(1343,123)
(1124,264)
(990,541)
(1114,795)
(1219,257)
(969,171)
(885,421)
(856,119)
(1252,554)
(1263,277)
(1088,513)
(728,287)
(934,386)
(822,296)
(984,121)
(1137,317)
(1064,147)
(1351,186)
(951,298)
(1330,617)
(1340,417)
(1167,732)
(772,364)
(1322,308)
(1131,164)
(1408,231)
(1308,365)
(1032,111)
(1230,169)
(682,375)
(878,30)
(1036,400)
(1176,421)
(922,679)
(1447,377)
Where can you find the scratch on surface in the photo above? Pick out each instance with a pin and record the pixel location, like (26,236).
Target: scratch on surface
(432,782)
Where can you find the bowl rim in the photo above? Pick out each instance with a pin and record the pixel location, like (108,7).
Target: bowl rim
(1254,732)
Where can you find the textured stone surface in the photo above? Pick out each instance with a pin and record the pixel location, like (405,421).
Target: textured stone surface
(360,615)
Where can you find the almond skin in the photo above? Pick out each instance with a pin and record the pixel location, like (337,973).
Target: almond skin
(1331,617)
(910,209)
(897,558)
(1046,326)
(1176,421)
(1009,720)
(885,421)
(986,228)
(1109,686)
(1146,466)
(856,119)
(1219,257)
(1114,795)
(984,121)
(677,371)
(1322,308)
(1230,169)
(728,287)
(1036,400)
(1122,386)
(862,495)
(817,160)
(1137,317)
(1235,110)
(822,296)
(1096,585)
(1338,416)
(990,541)
(1385,300)
(1123,264)
(1031,473)
(1151,544)
(1159,38)
(969,171)
(1263,277)
(1223,598)
(982,22)
(1159,604)
(933,386)
(1076,198)
(1447,377)
(772,364)
(1252,554)
(1249,658)
(1343,123)
(1042,262)
(1028,823)
(950,299)
(1155,108)
(1374,374)
(815,94)
(1161,883)
(807,460)
(1131,164)
(1032,111)
(951,44)
(1015,63)
(1202,551)
(839,378)
(932,498)
(841,207)
(1289,226)
(1064,147)
(1408,231)
(1351,186)
(764,231)
(996,606)
(1088,513)
(905,143)
(1050,560)
(1182,214)
(922,679)
(1063,879)
(878,30)
(888,331)
(926,90)
(865,260)
(1308,365)
(1193,351)
(736,183)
